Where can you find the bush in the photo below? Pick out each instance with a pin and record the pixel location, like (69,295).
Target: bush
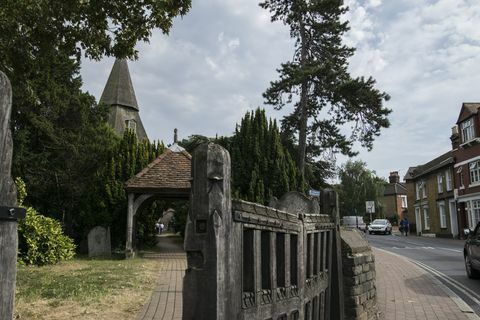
(42,241)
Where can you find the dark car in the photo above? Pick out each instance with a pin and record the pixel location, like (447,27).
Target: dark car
(471,253)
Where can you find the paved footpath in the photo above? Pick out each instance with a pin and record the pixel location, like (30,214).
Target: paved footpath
(165,302)
(404,291)
(407,292)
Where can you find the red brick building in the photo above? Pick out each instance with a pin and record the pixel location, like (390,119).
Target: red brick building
(466,151)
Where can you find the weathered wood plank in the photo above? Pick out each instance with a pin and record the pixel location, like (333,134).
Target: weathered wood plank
(8,228)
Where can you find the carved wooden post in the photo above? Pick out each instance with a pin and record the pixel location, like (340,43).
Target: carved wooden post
(335,298)
(8,199)
(208,282)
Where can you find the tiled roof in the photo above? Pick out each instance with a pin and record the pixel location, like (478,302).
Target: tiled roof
(437,163)
(468,109)
(169,173)
(395,188)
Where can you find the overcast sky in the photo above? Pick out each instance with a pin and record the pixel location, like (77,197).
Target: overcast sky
(219,59)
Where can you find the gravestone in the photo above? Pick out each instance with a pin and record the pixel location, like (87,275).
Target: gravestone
(296,203)
(99,244)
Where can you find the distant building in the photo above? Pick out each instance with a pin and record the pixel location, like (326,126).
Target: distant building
(466,150)
(120,96)
(431,204)
(394,200)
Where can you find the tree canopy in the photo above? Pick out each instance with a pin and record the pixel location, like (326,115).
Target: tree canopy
(358,184)
(326,99)
(61,139)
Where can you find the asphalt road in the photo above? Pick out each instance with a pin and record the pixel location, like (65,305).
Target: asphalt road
(441,257)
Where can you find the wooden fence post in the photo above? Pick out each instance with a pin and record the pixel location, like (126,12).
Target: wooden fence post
(8,199)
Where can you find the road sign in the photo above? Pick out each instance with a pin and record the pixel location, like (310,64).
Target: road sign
(370,205)
(314,193)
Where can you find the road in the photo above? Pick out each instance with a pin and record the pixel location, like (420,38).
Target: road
(441,257)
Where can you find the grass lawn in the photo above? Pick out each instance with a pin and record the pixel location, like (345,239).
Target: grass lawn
(85,289)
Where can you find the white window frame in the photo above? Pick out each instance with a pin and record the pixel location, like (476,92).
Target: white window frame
(474,213)
(442,214)
(440,182)
(418,186)
(426,219)
(460,177)
(448,180)
(424,189)
(404,201)
(474,169)
(467,129)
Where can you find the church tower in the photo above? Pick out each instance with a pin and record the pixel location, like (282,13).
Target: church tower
(120,96)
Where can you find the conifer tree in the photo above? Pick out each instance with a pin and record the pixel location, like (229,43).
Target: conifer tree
(325,98)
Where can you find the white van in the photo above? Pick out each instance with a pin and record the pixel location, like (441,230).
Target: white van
(354,222)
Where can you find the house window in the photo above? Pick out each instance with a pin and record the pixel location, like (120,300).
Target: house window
(442,214)
(474,171)
(404,201)
(460,176)
(131,124)
(440,182)
(426,218)
(448,180)
(467,130)
(421,190)
(475,213)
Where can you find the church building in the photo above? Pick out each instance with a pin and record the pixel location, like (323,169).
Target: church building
(120,96)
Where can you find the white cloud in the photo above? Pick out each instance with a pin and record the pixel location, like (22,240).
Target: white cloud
(220,58)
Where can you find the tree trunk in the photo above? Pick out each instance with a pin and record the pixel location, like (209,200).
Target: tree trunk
(302,128)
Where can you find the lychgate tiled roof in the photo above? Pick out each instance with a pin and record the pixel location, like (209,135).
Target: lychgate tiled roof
(170,173)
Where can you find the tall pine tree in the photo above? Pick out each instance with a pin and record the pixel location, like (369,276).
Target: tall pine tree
(317,83)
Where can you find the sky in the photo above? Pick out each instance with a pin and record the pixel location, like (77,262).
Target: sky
(218,60)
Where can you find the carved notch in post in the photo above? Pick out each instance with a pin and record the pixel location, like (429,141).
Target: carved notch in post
(8,199)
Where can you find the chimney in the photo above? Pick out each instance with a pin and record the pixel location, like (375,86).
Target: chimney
(394,177)
(175,137)
(455,137)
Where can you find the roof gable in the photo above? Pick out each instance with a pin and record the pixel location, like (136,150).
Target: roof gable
(119,87)
(468,109)
(169,171)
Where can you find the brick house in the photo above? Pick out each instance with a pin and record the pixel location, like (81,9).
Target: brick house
(466,150)
(394,200)
(431,204)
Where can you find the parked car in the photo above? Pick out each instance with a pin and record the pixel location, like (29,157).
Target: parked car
(354,222)
(471,252)
(380,226)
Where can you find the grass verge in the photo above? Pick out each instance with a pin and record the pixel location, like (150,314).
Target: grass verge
(85,289)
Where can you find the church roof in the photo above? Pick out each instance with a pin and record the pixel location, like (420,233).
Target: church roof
(169,174)
(119,88)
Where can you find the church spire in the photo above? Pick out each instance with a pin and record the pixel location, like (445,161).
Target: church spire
(120,96)
(119,89)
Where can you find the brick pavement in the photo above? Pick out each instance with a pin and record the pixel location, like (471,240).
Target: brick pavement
(407,292)
(165,302)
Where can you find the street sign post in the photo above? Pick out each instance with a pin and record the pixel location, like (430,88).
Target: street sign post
(370,206)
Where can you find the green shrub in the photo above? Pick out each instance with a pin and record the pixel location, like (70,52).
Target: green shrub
(42,241)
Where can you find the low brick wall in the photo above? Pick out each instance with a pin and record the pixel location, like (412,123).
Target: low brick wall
(359,276)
